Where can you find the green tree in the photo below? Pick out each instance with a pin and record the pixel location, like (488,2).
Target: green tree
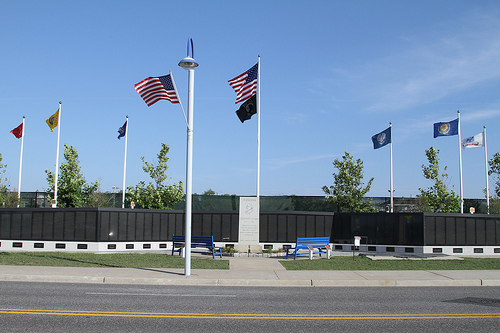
(101,199)
(348,191)
(7,198)
(437,198)
(209,192)
(494,164)
(72,188)
(157,195)
(3,181)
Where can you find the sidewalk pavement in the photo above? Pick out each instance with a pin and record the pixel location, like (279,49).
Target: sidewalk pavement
(249,271)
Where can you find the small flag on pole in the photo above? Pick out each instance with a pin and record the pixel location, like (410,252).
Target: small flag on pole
(245,85)
(381,139)
(247,109)
(18,131)
(53,121)
(122,130)
(473,141)
(152,89)
(446,128)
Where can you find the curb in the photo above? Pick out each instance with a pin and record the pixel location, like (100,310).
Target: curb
(52,278)
(189,281)
(491,283)
(397,283)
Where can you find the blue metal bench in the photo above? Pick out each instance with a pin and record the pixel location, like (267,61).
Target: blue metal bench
(308,243)
(207,242)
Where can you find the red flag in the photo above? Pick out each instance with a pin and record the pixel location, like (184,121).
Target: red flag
(18,131)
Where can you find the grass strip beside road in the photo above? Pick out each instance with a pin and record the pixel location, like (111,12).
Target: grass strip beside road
(359,263)
(158,260)
(131,260)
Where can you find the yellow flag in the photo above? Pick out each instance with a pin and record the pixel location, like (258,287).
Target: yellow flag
(53,120)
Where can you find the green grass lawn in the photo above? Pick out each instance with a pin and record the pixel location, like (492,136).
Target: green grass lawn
(133,260)
(359,263)
(156,260)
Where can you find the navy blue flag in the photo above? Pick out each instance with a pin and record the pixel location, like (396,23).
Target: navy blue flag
(381,139)
(446,128)
(122,130)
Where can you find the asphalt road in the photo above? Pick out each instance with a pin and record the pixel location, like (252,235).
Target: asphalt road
(52,307)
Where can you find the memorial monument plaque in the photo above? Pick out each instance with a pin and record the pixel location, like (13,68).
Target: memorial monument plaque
(248,237)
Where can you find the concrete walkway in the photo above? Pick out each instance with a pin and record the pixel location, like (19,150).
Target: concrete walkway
(249,271)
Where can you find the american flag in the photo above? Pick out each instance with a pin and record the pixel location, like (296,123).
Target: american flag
(245,84)
(152,89)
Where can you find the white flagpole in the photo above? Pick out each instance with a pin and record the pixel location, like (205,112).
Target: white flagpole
(54,205)
(258,130)
(20,166)
(177,94)
(392,176)
(124,164)
(460,162)
(487,170)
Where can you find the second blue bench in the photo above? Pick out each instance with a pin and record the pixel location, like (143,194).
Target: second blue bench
(306,243)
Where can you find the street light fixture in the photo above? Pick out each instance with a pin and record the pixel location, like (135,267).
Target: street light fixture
(189,64)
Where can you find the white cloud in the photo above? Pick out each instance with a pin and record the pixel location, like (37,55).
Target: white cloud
(444,75)
(279,163)
(431,68)
(477,115)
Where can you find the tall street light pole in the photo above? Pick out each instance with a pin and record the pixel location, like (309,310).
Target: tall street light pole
(189,64)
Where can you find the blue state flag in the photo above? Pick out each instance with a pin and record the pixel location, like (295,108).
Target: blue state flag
(446,128)
(381,139)
(122,130)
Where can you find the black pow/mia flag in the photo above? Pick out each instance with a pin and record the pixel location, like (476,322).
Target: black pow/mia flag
(247,109)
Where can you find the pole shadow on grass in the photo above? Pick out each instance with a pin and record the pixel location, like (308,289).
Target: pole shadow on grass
(159,271)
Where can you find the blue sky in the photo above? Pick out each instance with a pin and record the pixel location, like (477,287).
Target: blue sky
(333,73)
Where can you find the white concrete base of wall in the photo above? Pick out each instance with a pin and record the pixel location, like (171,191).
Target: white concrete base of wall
(94,247)
(166,246)
(399,249)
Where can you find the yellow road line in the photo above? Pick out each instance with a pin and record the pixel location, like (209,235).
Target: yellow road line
(252,316)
